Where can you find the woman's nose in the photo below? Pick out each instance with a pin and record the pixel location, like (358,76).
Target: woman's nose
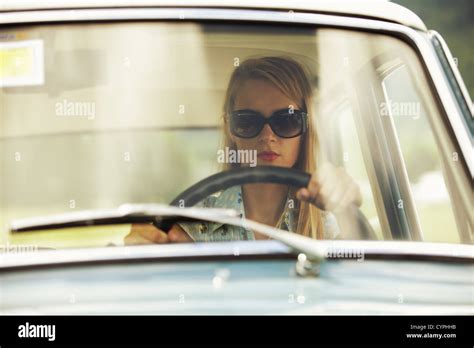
(267,133)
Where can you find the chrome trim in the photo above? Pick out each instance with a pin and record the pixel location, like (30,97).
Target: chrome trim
(272,248)
(142,252)
(454,69)
(447,98)
(383,10)
(411,214)
(306,268)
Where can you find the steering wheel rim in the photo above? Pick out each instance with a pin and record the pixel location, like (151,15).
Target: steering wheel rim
(244,175)
(252,175)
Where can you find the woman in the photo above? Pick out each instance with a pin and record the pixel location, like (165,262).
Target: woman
(267,106)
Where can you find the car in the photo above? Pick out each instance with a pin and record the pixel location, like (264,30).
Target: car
(111,116)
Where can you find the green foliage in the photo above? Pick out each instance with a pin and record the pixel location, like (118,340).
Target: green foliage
(454,21)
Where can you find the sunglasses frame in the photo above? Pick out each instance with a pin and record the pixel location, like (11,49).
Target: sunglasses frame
(302,114)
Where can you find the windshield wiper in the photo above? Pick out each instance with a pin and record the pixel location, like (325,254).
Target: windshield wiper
(125,214)
(160,214)
(313,250)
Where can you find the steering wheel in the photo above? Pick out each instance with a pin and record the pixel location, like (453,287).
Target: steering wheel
(252,175)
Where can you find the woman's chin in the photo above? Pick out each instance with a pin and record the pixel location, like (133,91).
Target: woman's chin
(274,163)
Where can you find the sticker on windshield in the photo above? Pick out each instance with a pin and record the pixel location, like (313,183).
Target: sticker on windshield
(21,63)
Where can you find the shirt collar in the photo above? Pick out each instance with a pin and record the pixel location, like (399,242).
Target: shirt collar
(231,198)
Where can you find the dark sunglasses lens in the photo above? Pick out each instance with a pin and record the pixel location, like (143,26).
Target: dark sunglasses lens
(245,125)
(287,125)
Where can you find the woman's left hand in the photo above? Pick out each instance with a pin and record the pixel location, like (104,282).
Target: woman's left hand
(331,189)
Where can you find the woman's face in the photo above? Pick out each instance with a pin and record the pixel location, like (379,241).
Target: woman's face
(265,98)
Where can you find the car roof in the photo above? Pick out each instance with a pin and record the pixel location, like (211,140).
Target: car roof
(373,9)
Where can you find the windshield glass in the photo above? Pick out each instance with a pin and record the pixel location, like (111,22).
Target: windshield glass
(101,114)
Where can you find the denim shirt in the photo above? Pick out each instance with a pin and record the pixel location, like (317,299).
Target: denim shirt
(232,199)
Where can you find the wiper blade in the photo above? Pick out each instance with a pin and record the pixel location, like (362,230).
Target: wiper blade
(125,214)
(160,214)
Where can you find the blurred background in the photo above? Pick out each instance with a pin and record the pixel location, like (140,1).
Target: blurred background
(453,19)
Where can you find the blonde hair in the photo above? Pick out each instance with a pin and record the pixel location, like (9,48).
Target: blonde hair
(291,79)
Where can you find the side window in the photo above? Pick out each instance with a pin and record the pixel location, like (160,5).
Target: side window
(421,157)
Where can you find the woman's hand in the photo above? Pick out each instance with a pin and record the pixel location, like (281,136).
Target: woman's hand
(331,189)
(149,234)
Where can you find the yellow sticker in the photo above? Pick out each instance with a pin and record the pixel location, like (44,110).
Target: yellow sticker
(21,63)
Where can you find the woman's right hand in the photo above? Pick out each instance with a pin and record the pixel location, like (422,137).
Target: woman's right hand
(149,234)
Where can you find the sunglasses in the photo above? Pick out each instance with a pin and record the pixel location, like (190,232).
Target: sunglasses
(285,123)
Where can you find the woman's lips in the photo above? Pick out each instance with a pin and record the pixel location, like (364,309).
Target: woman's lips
(268,155)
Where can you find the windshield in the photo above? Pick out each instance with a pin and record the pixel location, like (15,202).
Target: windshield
(101,114)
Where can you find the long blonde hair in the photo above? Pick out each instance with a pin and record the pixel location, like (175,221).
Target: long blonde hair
(293,80)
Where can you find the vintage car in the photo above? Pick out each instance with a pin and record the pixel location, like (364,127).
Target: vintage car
(111,116)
